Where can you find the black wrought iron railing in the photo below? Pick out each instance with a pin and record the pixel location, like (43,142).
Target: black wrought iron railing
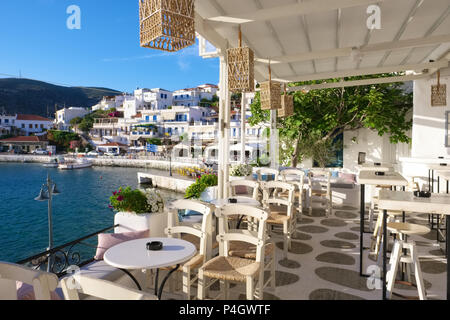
(75,253)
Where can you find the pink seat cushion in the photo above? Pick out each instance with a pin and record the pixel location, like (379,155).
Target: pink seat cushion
(348,177)
(108,240)
(240,190)
(26,292)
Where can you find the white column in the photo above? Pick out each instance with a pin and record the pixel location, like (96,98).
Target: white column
(274,141)
(222,104)
(226,147)
(243,137)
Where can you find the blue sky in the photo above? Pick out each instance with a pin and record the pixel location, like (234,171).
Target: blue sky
(35,40)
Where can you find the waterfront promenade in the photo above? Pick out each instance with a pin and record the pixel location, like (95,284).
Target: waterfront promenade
(142,162)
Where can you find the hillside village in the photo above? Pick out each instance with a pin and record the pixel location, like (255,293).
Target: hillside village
(152,121)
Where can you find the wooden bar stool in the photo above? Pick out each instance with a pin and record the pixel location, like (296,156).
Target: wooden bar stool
(393,216)
(405,252)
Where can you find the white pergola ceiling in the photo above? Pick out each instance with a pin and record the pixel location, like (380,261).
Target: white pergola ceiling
(313,39)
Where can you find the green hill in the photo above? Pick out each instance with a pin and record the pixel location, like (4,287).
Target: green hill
(26,96)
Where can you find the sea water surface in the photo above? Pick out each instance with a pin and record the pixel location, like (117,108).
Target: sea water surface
(80,209)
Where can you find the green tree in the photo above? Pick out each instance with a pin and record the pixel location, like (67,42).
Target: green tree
(322,115)
(76,121)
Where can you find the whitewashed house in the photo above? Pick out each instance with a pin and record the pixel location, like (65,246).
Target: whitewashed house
(193,96)
(110,102)
(7,123)
(64,116)
(32,124)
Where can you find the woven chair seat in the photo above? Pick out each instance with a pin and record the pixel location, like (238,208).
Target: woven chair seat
(196,241)
(195,262)
(319,193)
(247,250)
(277,214)
(285,194)
(407,228)
(231,268)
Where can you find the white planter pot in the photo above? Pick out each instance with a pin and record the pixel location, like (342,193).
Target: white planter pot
(128,222)
(209,194)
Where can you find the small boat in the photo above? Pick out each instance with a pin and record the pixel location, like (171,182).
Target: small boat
(54,162)
(77,164)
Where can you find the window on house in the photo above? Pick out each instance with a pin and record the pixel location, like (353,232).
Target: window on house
(23,126)
(30,126)
(42,126)
(6,121)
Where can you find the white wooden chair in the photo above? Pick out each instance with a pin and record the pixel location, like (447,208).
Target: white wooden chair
(321,178)
(253,185)
(43,282)
(299,181)
(279,202)
(101,289)
(200,236)
(226,268)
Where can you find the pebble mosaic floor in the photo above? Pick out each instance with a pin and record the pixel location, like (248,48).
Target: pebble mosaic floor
(323,263)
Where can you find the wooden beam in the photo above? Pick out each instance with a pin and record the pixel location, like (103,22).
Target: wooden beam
(372,48)
(365,82)
(367,71)
(297,9)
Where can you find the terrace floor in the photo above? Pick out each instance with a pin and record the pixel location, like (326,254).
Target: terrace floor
(323,263)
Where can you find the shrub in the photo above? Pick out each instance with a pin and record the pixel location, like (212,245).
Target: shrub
(196,189)
(128,200)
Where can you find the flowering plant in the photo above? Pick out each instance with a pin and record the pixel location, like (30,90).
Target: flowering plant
(155,201)
(241,170)
(128,200)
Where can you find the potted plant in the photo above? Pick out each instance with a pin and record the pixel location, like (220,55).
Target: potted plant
(241,171)
(138,210)
(205,188)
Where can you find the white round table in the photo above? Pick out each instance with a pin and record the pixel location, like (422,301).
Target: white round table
(133,255)
(219,203)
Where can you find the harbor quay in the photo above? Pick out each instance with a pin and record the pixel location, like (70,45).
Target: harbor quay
(160,164)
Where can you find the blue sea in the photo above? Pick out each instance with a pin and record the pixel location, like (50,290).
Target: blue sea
(80,209)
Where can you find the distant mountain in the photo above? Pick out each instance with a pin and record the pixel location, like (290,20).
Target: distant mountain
(26,96)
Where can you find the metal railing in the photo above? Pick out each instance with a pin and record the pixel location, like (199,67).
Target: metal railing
(64,256)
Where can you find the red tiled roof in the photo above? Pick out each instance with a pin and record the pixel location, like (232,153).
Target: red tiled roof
(139,115)
(31,117)
(114,144)
(22,139)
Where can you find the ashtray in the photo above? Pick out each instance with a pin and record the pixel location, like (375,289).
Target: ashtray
(154,246)
(379,173)
(232,200)
(422,194)
(377,164)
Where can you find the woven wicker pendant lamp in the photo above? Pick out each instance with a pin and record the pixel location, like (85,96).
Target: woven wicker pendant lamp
(166,25)
(241,73)
(270,93)
(287,105)
(439,93)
